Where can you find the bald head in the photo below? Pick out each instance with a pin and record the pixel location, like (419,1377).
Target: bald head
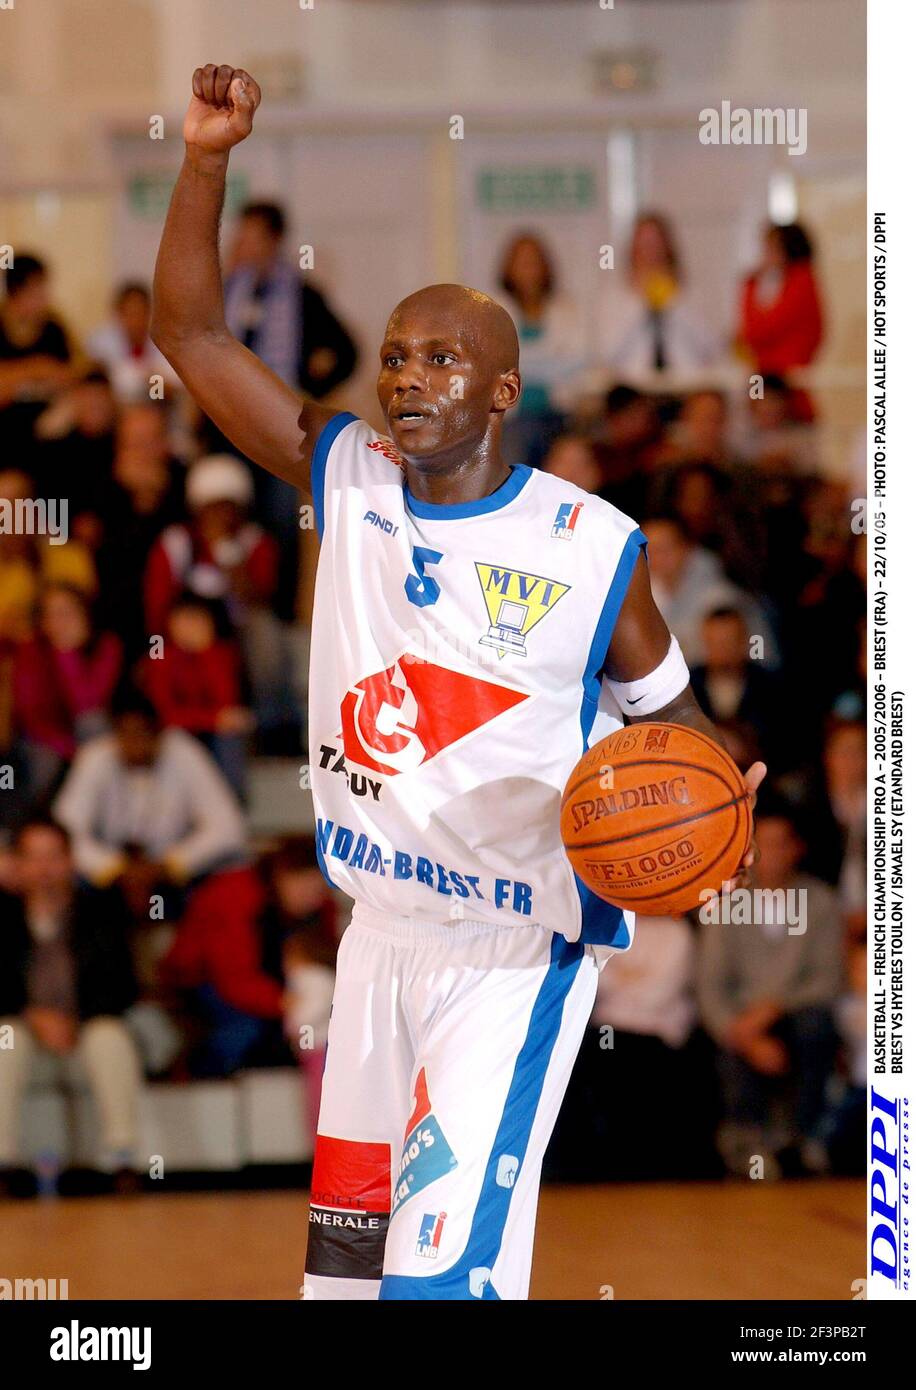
(482,323)
(448,373)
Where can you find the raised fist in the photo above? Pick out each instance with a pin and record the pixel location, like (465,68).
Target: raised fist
(222,108)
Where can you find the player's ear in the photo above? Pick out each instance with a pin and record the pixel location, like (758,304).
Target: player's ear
(508,390)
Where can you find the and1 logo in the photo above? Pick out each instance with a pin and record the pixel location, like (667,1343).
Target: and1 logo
(430,1234)
(399,718)
(515,603)
(426,1155)
(564,523)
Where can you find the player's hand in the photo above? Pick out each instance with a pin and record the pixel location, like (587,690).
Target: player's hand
(752,779)
(222,109)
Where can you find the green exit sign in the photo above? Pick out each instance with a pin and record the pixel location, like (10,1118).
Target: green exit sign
(149,194)
(536,188)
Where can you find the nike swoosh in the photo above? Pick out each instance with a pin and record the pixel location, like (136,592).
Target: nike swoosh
(636,701)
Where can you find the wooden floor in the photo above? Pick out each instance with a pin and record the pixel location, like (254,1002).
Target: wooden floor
(745,1240)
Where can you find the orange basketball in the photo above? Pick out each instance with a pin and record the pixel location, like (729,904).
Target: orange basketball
(653,815)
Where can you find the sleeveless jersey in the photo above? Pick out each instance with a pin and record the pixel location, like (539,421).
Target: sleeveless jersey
(455,681)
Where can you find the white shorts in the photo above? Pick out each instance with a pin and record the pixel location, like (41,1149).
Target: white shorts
(449,1051)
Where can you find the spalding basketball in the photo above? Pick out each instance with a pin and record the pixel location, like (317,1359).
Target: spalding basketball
(653,815)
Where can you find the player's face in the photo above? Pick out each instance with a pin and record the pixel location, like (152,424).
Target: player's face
(435,384)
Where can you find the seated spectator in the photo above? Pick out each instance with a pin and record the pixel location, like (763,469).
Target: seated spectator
(194,683)
(126,350)
(838,838)
(300,915)
(688,582)
(642,1040)
(729,685)
(234,942)
(700,432)
(215,963)
(36,354)
(781,323)
(65,984)
(145,496)
(147,807)
(772,440)
(627,448)
(709,505)
(767,991)
(572,458)
(847,1127)
(64,678)
(74,458)
(30,558)
(222,554)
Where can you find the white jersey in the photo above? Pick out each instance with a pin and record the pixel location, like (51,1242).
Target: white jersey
(455,681)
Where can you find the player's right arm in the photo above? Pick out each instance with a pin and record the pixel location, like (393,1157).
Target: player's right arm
(266,419)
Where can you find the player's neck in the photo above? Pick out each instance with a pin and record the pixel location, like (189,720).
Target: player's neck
(446,480)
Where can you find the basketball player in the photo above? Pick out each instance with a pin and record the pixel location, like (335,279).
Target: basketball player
(476,626)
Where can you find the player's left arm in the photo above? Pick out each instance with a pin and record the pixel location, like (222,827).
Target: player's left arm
(640,646)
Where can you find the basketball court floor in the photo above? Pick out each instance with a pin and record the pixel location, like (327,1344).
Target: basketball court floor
(748,1240)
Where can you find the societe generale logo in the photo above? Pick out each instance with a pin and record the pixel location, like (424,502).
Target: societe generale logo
(401,717)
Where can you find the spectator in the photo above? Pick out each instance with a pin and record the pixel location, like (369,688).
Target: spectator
(847,1129)
(65,984)
(774,441)
(649,327)
(642,1040)
(285,322)
(36,354)
(838,813)
(222,554)
(572,458)
(766,995)
(300,917)
(290,326)
(126,350)
(552,346)
(627,448)
(700,432)
(31,556)
(75,458)
(706,501)
(64,679)
(234,942)
(688,582)
(781,323)
(216,963)
(146,496)
(194,683)
(729,686)
(147,807)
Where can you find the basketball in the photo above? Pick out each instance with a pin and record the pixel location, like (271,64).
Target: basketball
(653,815)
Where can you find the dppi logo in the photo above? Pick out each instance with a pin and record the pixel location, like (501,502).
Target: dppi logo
(401,717)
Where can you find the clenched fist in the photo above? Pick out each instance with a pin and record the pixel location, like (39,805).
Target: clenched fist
(222,109)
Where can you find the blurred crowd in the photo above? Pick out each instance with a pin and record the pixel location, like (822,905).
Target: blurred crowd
(151,652)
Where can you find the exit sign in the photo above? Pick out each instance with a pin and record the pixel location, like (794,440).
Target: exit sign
(536,188)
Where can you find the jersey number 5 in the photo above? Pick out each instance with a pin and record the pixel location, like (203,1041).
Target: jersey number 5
(421,588)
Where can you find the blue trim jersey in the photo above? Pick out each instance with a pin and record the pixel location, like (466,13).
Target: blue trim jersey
(455,681)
